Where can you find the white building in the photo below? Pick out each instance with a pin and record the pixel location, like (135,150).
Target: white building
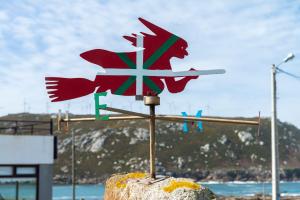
(27,153)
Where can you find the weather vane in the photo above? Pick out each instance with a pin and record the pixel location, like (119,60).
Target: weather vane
(138,73)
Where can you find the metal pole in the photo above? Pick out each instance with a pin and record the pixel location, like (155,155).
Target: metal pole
(73,157)
(51,126)
(152,101)
(152,140)
(59,120)
(73,167)
(17,190)
(274,141)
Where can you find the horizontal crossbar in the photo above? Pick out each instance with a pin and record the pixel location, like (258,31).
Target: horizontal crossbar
(158,73)
(175,118)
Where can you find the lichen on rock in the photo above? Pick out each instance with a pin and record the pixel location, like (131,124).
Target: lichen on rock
(139,186)
(122,182)
(181,184)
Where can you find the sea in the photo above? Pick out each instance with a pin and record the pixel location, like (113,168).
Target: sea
(96,191)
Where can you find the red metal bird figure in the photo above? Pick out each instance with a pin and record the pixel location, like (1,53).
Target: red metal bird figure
(131,73)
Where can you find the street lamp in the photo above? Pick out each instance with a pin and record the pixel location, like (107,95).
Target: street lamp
(274,133)
(289,57)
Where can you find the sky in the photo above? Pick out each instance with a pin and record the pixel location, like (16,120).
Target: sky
(44,38)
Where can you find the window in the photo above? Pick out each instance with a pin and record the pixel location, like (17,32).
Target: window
(18,188)
(18,182)
(6,171)
(26,170)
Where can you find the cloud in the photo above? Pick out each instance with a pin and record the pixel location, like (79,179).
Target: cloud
(39,39)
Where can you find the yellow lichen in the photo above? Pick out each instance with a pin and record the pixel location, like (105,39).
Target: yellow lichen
(180,184)
(122,182)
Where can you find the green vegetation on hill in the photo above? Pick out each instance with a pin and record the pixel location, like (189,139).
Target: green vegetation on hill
(221,152)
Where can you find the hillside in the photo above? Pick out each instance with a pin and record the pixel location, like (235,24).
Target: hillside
(222,152)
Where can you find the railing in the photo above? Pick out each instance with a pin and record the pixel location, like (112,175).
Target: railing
(23,127)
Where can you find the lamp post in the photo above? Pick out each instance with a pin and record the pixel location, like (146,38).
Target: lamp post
(274,132)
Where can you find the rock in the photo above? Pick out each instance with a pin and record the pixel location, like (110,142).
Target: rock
(139,186)
(245,136)
(223,139)
(205,148)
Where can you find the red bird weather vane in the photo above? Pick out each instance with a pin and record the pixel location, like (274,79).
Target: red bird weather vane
(139,73)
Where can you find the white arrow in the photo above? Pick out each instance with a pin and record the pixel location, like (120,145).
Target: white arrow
(158,73)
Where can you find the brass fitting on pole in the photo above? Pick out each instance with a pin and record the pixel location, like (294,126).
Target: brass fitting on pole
(152,101)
